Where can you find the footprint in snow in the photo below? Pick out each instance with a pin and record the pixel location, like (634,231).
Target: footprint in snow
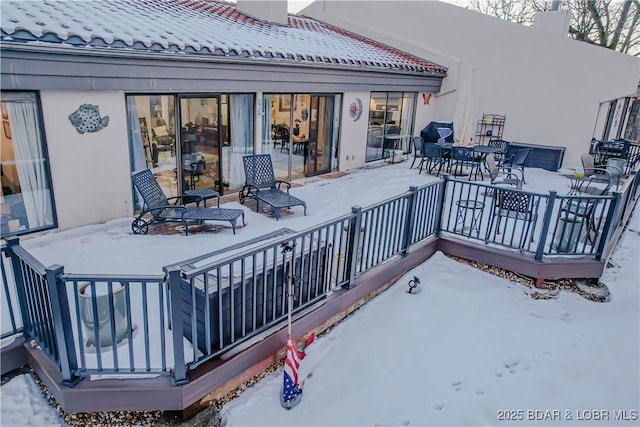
(512,363)
(438,406)
(564,317)
(457,385)
(479,392)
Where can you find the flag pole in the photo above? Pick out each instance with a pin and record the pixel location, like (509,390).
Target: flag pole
(291,392)
(290,287)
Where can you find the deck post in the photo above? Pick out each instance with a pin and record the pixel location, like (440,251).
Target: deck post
(608,224)
(441,201)
(62,325)
(546,223)
(12,242)
(353,246)
(179,375)
(409,220)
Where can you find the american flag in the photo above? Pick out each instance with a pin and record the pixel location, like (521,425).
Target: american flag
(291,389)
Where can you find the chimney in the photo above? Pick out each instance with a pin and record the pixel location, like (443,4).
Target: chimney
(553,21)
(274,11)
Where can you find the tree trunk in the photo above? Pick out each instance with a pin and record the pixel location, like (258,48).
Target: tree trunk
(632,131)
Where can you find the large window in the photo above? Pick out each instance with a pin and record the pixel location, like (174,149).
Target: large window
(27,200)
(390,123)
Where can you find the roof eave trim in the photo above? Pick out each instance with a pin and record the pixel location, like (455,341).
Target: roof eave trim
(94,51)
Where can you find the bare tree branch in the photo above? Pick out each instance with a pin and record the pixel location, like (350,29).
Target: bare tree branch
(614,24)
(634,23)
(597,20)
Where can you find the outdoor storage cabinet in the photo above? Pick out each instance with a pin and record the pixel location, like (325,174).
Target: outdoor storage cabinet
(542,156)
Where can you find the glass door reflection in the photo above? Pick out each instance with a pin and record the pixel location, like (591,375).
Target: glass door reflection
(317,152)
(201,138)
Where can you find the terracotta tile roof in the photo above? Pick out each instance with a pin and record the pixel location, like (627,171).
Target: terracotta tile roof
(197,27)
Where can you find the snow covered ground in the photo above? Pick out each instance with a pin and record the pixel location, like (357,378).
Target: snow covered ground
(471,349)
(468,349)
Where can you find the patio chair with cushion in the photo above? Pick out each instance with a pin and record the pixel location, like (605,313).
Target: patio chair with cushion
(597,176)
(262,185)
(159,209)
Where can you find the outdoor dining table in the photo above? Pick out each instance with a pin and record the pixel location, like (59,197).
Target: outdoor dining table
(483,150)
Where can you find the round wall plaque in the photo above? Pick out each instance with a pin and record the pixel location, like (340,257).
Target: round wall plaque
(355,109)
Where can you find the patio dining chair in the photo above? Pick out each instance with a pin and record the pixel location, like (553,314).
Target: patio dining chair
(497,177)
(519,206)
(194,170)
(417,150)
(465,157)
(517,162)
(504,147)
(597,176)
(581,211)
(433,155)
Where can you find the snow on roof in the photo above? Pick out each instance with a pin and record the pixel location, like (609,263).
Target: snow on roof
(198,27)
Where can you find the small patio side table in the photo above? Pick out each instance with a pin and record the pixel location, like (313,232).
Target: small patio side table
(203,194)
(475,207)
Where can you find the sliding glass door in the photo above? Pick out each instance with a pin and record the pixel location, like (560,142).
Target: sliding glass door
(390,123)
(320,135)
(193,141)
(201,139)
(300,132)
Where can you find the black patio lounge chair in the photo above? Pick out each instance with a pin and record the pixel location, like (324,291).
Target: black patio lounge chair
(160,209)
(262,185)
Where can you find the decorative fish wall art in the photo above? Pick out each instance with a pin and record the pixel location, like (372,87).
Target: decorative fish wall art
(87,119)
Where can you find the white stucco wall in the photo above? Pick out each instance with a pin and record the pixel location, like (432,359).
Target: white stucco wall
(353,134)
(549,86)
(90,173)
